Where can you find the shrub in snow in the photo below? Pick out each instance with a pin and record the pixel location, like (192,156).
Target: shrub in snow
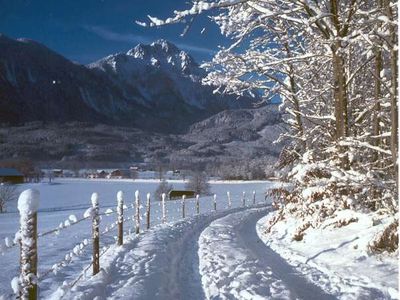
(8,193)
(299,233)
(198,182)
(387,240)
(163,188)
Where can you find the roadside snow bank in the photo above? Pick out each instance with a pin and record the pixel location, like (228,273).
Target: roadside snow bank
(336,257)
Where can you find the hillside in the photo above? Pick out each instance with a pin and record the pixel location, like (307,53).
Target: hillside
(215,141)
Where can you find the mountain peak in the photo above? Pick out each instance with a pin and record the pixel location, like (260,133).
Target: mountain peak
(159,48)
(165,45)
(162,52)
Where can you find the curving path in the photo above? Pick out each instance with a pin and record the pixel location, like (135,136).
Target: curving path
(215,256)
(236,264)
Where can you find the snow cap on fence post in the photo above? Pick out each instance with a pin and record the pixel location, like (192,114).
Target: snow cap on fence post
(120,217)
(197,204)
(148,210)
(28,204)
(137,213)
(215,202)
(95,199)
(183,206)
(164,217)
(28,201)
(95,233)
(120,196)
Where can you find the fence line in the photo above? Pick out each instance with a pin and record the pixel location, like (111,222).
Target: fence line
(28,236)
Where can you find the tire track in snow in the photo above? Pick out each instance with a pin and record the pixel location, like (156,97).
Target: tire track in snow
(236,264)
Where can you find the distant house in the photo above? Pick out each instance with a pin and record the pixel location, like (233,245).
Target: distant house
(120,173)
(177,194)
(101,174)
(58,173)
(8,175)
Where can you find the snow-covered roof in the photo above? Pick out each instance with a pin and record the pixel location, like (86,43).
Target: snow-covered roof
(10,172)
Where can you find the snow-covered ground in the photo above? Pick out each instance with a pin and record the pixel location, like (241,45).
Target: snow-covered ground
(160,264)
(215,255)
(221,256)
(235,264)
(66,198)
(337,258)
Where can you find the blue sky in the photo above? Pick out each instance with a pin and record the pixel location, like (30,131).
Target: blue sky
(87,30)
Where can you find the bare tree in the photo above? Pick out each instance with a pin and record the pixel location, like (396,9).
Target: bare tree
(198,182)
(162,188)
(134,174)
(8,193)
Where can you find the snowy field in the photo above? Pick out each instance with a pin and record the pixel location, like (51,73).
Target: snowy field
(66,199)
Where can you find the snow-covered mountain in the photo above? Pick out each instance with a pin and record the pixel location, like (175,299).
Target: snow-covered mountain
(155,87)
(168,79)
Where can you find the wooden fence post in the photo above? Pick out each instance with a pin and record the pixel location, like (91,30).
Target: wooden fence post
(183,206)
(95,233)
(148,210)
(164,217)
(28,203)
(197,204)
(244,199)
(215,202)
(254,197)
(137,212)
(229,199)
(120,217)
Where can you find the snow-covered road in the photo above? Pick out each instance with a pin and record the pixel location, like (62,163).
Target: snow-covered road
(215,256)
(236,264)
(161,263)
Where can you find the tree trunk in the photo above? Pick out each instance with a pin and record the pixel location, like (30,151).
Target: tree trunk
(376,130)
(339,81)
(340,95)
(393,94)
(295,100)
